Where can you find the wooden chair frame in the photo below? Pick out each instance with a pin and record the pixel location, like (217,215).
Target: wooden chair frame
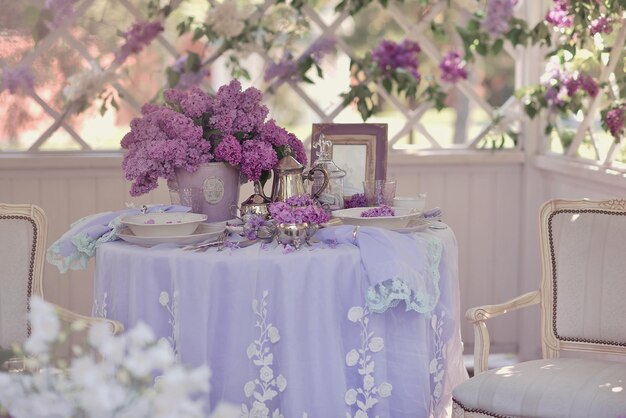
(37,217)
(552,343)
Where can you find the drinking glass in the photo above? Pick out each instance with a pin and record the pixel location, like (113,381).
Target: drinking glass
(379,192)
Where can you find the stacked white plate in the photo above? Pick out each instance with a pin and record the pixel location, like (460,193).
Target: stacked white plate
(404,220)
(176,227)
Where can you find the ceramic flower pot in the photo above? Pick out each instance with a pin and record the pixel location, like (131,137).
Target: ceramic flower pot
(213,190)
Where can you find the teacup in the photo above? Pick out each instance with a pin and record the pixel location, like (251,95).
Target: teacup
(414,202)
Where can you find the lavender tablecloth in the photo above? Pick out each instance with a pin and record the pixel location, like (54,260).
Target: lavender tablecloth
(289,334)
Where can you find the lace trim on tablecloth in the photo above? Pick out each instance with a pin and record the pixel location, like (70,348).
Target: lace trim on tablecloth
(84,248)
(419,298)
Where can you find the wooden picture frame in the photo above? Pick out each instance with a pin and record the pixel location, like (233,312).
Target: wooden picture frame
(358,148)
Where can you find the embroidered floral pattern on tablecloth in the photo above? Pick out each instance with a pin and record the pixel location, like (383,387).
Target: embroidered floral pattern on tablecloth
(100,310)
(389,293)
(171,306)
(266,387)
(436,368)
(365,397)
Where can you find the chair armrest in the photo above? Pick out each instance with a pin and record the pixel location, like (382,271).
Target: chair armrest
(69,316)
(477,316)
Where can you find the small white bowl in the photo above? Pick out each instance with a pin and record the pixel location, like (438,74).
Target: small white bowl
(415,202)
(172,224)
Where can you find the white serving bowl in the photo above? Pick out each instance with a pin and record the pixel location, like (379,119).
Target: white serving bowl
(402,218)
(414,202)
(166,224)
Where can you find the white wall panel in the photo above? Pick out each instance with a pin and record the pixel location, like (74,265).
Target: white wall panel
(480,198)
(480,201)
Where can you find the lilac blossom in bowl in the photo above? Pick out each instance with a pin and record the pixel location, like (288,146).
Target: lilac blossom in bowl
(380,216)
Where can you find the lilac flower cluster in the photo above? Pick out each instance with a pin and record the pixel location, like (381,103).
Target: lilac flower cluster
(229,150)
(562,85)
(452,67)
(252,225)
(236,111)
(287,68)
(175,136)
(284,69)
(390,56)
(256,157)
(615,120)
(20,78)
(298,210)
(159,142)
(600,25)
(235,122)
(136,38)
(499,12)
(188,79)
(559,16)
(382,210)
(355,201)
(280,137)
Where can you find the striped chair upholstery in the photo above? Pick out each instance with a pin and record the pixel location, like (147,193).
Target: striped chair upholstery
(583,305)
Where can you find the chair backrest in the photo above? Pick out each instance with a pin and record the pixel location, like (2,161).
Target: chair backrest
(583,289)
(23,230)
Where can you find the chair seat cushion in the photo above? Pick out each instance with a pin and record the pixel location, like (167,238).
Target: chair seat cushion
(553,388)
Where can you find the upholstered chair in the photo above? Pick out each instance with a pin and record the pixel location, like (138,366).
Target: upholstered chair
(23,230)
(583,324)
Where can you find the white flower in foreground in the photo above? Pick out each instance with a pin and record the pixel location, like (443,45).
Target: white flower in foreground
(164,298)
(112,378)
(140,336)
(99,334)
(45,326)
(225,410)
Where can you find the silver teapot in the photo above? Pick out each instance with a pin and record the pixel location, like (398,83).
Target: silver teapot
(288,180)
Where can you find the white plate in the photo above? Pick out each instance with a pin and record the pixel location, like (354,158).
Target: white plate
(205,232)
(165,224)
(402,218)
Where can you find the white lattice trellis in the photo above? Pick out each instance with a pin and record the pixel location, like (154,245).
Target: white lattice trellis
(413,119)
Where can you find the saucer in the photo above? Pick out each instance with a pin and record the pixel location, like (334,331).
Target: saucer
(205,232)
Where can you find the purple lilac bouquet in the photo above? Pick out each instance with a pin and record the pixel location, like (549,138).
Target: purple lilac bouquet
(193,128)
(390,56)
(298,210)
(382,210)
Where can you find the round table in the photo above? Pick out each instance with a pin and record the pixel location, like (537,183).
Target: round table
(291,331)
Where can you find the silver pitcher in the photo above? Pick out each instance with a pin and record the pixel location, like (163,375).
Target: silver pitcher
(288,179)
